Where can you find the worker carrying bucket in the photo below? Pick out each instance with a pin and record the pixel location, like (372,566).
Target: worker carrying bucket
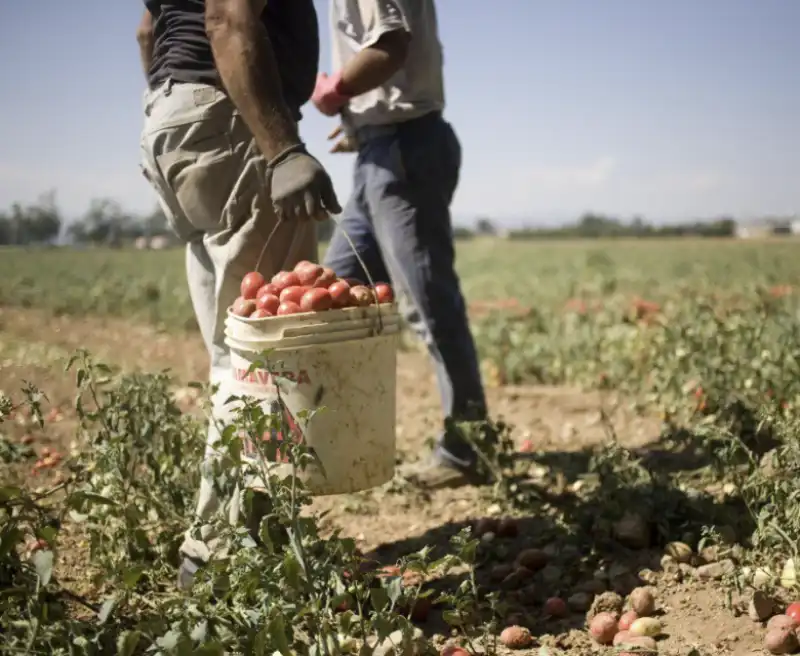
(221,147)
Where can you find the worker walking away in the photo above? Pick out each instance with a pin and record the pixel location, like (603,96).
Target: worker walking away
(387,87)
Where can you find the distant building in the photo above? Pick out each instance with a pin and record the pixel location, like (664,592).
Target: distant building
(160,243)
(157,243)
(766,227)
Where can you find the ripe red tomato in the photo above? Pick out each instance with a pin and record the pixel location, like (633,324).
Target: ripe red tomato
(626,620)
(384,293)
(389,570)
(452,650)
(526,446)
(268,302)
(293,293)
(309,273)
(244,307)
(793,611)
(251,283)
(316,300)
(302,264)
(261,313)
(340,293)
(288,307)
(326,278)
(285,279)
(555,607)
(269,288)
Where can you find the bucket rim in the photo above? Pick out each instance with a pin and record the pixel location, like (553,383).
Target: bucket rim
(238,346)
(373,309)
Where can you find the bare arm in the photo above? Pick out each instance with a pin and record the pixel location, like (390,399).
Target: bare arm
(144,35)
(376,63)
(246,64)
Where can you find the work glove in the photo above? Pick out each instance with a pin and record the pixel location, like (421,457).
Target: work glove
(301,188)
(328,96)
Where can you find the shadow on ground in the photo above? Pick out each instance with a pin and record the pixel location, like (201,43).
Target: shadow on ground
(594,534)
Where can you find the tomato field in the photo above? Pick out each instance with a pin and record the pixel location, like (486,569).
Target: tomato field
(647,395)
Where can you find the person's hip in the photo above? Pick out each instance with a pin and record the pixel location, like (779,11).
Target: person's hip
(424,151)
(419,124)
(173,104)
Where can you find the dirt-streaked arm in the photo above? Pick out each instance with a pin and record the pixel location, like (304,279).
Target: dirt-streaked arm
(385,47)
(246,64)
(144,35)
(375,64)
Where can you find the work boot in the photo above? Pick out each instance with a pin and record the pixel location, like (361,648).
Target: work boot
(454,462)
(435,473)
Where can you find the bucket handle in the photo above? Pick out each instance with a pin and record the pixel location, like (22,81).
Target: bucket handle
(281,220)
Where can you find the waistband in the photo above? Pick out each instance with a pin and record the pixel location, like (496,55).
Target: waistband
(202,93)
(197,93)
(369,132)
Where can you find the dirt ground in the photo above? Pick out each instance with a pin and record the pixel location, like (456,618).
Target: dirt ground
(559,421)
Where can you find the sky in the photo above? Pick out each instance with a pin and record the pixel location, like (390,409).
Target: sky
(666,109)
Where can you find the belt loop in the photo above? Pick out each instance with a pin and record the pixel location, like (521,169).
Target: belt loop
(168,86)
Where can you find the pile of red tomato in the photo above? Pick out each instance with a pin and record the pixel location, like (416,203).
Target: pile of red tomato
(308,287)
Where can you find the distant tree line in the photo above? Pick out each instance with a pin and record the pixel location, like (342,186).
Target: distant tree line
(600,226)
(105,222)
(39,223)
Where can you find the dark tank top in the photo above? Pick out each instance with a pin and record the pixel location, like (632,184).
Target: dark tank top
(182,51)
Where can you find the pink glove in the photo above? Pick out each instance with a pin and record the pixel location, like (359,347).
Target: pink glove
(328,96)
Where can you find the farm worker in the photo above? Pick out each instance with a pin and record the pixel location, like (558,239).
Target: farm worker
(220,145)
(387,88)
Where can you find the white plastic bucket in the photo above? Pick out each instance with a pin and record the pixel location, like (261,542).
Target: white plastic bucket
(342,360)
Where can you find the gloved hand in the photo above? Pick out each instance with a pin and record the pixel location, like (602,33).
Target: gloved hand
(328,96)
(301,188)
(346,143)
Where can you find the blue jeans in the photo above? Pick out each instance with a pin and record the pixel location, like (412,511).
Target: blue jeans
(398,218)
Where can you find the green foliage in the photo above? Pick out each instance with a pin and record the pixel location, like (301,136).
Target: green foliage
(37,223)
(705,334)
(272,586)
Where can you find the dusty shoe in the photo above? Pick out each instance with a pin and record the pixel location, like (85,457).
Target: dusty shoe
(436,474)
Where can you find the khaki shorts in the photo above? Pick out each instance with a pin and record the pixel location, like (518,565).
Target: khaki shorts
(213,185)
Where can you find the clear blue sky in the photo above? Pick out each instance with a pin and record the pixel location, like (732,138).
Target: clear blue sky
(665,108)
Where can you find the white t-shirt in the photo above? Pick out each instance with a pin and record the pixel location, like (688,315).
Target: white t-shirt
(418,87)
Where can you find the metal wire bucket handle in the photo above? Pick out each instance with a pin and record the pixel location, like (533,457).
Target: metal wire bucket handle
(282,221)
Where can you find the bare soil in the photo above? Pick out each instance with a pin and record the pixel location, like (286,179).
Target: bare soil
(563,424)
